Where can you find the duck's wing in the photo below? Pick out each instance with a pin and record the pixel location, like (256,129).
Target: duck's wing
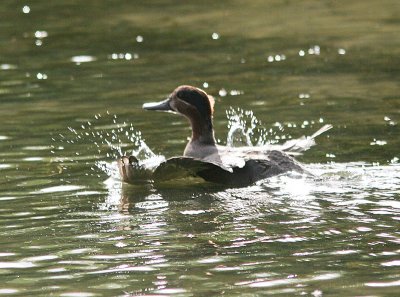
(297,146)
(255,168)
(183,167)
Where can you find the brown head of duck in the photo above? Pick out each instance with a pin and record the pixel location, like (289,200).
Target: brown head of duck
(198,107)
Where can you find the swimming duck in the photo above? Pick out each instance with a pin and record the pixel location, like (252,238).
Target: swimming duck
(203,157)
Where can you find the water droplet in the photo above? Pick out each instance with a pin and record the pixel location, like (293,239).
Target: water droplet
(83,59)
(304,96)
(315,50)
(26,9)
(41,76)
(7,67)
(41,34)
(222,92)
(378,142)
(236,92)
(8,291)
(139,38)
(276,58)
(317,293)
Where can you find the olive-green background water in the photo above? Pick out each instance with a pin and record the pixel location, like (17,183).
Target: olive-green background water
(67,229)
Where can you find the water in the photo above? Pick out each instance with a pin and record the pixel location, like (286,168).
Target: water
(73,77)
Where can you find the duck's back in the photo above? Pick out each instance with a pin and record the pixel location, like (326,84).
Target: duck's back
(253,170)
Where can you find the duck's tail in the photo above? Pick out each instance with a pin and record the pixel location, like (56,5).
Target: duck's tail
(297,146)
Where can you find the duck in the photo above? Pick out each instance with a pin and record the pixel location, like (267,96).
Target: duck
(204,158)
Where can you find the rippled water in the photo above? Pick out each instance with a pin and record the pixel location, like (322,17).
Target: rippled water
(73,77)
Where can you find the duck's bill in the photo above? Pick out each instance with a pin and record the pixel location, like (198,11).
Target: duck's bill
(162,106)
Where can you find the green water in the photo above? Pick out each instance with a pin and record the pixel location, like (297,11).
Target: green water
(68,229)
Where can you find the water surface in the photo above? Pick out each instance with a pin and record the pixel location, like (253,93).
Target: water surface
(73,77)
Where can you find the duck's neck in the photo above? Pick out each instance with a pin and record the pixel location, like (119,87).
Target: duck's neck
(202,131)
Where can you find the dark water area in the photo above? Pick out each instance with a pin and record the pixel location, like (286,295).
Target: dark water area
(73,78)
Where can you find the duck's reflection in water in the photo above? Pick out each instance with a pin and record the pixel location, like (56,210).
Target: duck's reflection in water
(152,196)
(282,194)
(193,230)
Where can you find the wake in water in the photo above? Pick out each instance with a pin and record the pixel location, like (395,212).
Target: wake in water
(345,186)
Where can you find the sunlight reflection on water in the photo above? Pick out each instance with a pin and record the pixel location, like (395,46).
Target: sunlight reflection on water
(298,65)
(357,179)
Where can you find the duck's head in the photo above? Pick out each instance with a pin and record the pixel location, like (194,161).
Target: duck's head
(193,103)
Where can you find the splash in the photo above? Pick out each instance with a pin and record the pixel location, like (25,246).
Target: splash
(246,129)
(242,126)
(100,141)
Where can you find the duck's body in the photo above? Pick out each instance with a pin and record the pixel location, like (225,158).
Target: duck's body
(241,165)
(228,165)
